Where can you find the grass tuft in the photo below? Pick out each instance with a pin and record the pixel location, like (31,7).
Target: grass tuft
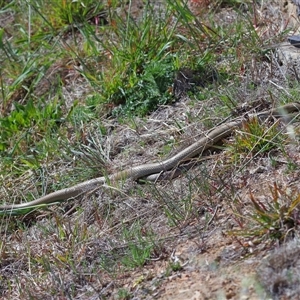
(255,138)
(275,219)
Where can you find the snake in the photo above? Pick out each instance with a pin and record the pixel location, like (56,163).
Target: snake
(204,143)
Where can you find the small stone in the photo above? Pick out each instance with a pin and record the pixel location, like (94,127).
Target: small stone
(295,40)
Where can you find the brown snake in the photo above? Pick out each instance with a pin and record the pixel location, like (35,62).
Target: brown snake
(141,171)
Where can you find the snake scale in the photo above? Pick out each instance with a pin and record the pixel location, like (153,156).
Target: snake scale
(209,140)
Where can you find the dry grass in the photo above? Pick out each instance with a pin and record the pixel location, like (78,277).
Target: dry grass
(135,240)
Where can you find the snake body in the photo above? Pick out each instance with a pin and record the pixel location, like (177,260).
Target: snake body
(141,171)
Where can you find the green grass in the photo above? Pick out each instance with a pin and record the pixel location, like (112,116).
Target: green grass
(83,89)
(140,246)
(255,139)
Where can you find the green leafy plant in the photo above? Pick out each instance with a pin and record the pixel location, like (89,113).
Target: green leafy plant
(25,120)
(151,89)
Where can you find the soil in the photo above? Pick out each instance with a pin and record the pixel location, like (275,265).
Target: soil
(213,263)
(200,258)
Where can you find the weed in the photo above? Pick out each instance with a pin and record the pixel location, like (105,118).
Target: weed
(140,246)
(273,219)
(75,12)
(140,62)
(176,266)
(255,138)
(124,294)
